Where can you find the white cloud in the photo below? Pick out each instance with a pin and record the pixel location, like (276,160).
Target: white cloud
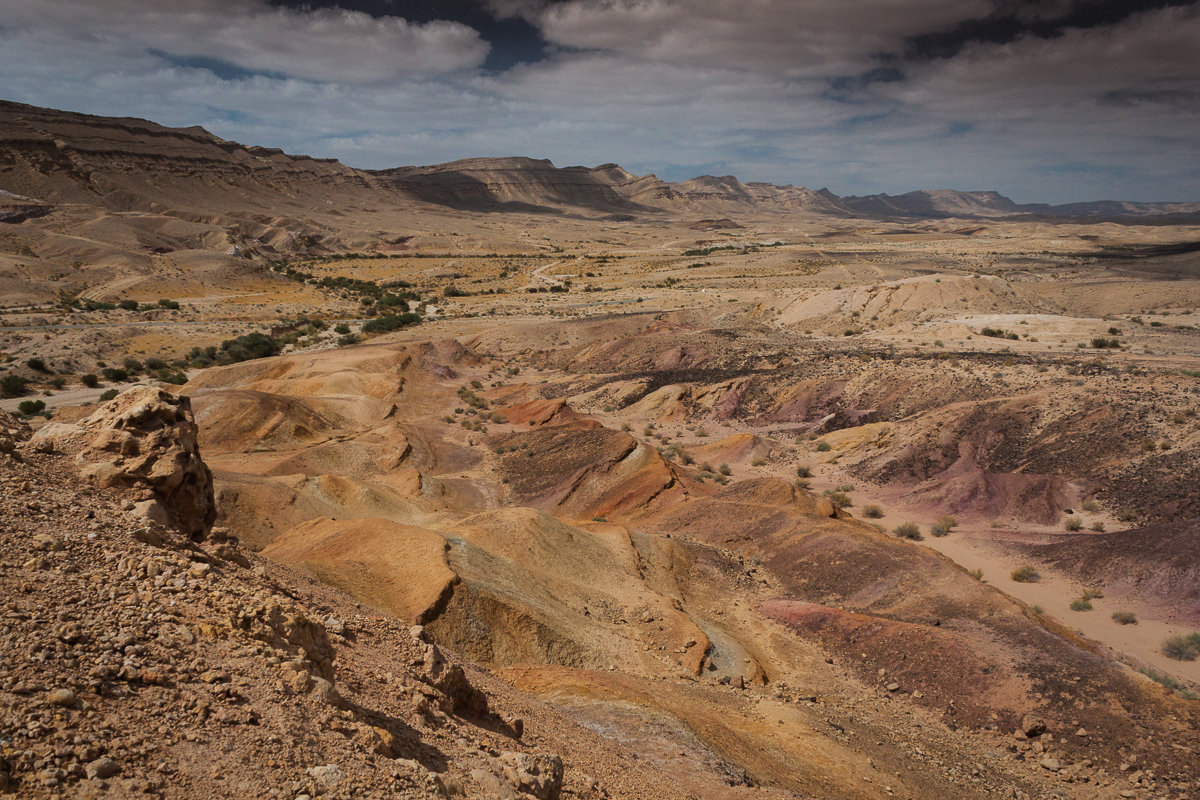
(321,44)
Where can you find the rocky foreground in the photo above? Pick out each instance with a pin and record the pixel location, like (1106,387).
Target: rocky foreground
(144,653)
(139,659)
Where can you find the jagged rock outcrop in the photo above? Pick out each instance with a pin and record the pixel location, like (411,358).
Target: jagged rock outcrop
(144,441)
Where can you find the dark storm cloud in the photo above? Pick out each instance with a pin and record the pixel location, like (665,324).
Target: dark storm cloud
(860,95)
(1029,18)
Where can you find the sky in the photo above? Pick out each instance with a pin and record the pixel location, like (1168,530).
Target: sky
(1043,100)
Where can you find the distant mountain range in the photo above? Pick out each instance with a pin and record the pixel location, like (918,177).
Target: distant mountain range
(49,158)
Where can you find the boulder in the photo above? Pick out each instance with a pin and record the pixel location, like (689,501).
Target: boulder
(144,440)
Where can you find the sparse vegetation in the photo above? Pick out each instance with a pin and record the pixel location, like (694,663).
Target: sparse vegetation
(823,447)
(1081,604)
(108,394)
(1026,574)
(872,512)
(1073,523)
(908,530)
(1124,618)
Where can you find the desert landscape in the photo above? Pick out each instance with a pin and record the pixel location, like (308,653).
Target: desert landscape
(499,479)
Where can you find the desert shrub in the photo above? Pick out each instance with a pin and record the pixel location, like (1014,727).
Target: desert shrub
(36,364)
(823,447)
(943,526)
(977,574)
(872,512)
(89,380)
(908,530)
(1091,506)
(1073,523)
(839,499)
(155,364)
(13,386)
(108,394)
(250,346)
(175,378)
(341,328)
(170,305)
(1093,592)
(58,382)
(725,470)
(1182,648)
(128,305)
(686,458)
(391,323)
(454,291)
(1100,343)
(758,462)
(1081,604)
(803,483)
(132,366)
(115,374)
(803,472)
(28,407)
(1026,574)
(1124,618)
(347,340)
(1098,526)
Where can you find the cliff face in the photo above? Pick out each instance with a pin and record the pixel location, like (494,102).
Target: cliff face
(136,165)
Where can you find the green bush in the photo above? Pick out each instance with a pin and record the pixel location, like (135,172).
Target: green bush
(1026,574)
(114,374)
(36,364)
(89,380)
(341,329)
(250,346)
(155,364)
(170,305)
(908,530)
(108,394)
(128,305)
(13,386)
(391,323)
(132,366)
(823,447)
(28,407)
